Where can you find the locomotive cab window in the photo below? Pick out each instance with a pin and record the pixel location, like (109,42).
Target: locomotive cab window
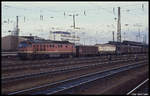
(24,44)
(40,47)
(33,46)
(44,47)
(59,46)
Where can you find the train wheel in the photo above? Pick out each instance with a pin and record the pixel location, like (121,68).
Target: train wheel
(70,56)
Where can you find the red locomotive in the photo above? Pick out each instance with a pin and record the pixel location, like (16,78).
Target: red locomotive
(45,48)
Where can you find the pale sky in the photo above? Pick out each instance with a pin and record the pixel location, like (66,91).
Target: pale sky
(96,25)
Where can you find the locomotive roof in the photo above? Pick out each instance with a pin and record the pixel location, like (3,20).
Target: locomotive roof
(85,46)
(48,41)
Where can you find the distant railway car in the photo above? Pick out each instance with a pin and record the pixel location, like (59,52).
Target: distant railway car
(104,49)
(123,49)
(135,47)
(86,50)
(144,49)
(45,49)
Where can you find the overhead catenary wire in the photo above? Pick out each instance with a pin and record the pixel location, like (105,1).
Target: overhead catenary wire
(60,11)
(56,10)
(109,10)
(41,17)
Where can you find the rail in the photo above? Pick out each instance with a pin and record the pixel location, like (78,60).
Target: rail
(8,54)
(137,86)
(60,70)
(60,86)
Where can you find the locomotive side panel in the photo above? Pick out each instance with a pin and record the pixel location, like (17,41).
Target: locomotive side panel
(46,49)
(55,50)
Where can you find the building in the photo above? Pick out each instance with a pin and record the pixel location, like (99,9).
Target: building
(9,43)
(63,36)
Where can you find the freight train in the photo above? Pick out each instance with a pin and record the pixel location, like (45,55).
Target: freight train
(47,48)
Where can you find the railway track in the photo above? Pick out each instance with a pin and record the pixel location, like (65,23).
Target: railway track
(39,65)
(9,56)
(136,91)
(30,65)
(5,54)
(15,71)
(7,63)
(51,66)
(68,84)
(61,69)
(33,77)
(51,60)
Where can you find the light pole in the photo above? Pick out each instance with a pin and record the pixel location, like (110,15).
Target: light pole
(113,36)
(138,26)
(96,38)
(74,20)
(142,35)
(139,35)
(115,27)
(125,30)
(73,15)
(51,30)
(83,33)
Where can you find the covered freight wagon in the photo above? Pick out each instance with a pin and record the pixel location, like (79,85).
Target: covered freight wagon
(104,49)
(86,50)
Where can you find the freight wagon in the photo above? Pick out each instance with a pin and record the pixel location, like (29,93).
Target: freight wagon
(106,49)
(86,50)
